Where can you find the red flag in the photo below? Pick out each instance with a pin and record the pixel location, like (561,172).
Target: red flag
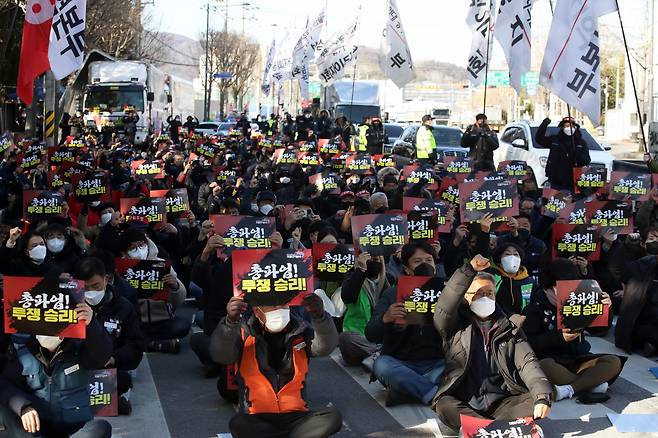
(34,48)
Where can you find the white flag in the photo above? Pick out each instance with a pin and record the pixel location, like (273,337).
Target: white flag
(396,62)
(572,64)
(339,54)
(304,52)
(282,64)
(267,80)
(513,32)
(480,20)
(66,47)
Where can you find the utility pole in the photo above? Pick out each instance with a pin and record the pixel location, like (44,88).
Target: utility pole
(206,99)
(618,82)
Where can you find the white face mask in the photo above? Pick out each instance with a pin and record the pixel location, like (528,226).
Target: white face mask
(277,320)
(93,297)
(483,307)
(95,203)
(38,253)
(266,208)
(139,253)
(50,343)
(284,180)
(55,245)
(511,264)
(254,207)
(567,131)
(106,218)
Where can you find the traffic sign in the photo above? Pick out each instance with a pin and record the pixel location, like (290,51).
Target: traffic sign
(223,75)
(498,78)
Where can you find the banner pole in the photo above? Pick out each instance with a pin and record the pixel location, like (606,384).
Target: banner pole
(486,71)
(356,62)
(640,116)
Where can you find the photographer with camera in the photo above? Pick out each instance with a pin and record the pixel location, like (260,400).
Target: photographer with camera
(481,141)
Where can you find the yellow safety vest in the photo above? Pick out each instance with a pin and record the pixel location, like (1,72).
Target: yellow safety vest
(425,142)
(363,141)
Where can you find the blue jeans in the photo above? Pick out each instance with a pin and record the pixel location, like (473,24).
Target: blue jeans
(416,378)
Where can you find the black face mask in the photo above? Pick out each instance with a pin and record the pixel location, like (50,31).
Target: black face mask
(424,270)
(373,268)
(652,248)
(524,234)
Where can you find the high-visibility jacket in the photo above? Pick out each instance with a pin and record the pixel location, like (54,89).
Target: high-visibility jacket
(363,139)
(425,142)
(262,395)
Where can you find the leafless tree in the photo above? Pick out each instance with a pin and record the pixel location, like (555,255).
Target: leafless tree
(230,53)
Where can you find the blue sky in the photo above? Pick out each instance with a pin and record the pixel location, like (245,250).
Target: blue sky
(436,29)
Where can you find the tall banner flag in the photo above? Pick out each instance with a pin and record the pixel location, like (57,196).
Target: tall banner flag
(66,49)
(282,65)
(304,52)
(339,54)
(572,65)
(513,26)
(480,19)
(396,63)
(267,80)
(34,48)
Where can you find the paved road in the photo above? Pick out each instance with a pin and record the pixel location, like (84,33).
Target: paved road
(172,399)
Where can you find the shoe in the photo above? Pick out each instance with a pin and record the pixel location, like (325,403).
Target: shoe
(563,391)
(125,408)
(394,398)
(600,389)
(648,350)
(167,346)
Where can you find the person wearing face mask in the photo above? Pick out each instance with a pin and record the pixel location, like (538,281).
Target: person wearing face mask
(305,125)
(411,361)
(513,284)
(272,338)
(105,234)
(568,150)
(565,354)
(62,251)
(44,386)
(375,137)
(637,323)
(360,292)
(491,370)
(265,200)
(468,240)
(161,326)
(119,319)
(26,256)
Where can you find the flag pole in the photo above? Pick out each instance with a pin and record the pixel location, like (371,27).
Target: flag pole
(356,63)
(573,142)
(486,71)
(640,117)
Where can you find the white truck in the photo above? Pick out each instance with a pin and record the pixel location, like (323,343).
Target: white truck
(115,86)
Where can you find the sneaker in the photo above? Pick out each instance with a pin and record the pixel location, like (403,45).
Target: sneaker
(600,389)
(563,391)
(167,346)
(125,408)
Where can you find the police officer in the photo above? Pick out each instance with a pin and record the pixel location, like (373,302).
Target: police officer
(425,141)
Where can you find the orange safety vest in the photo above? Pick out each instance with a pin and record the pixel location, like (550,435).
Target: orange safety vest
(261,398)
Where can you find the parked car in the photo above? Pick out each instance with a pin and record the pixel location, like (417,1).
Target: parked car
(517,142)
(213,128)
(393,131)
(448,142)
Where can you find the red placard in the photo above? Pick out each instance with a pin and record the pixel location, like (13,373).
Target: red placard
(103,393)
(146,276)
(590,180)
(332,262)
(421,204)
(148,210)
(580,305)
(419,296)
(43,306)
(484,428)
(91,185)
(415,173)
(42,204)
(449,190)
(244,232)
(359,164)
(571,240)
(272,277)
(630,186)
(326,180)
(499,198)
(611,215)
(458,168)
(556,202)
(148,169)
(379,234)
(177,202)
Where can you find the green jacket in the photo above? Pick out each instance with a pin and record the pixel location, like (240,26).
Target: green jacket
(363,140)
